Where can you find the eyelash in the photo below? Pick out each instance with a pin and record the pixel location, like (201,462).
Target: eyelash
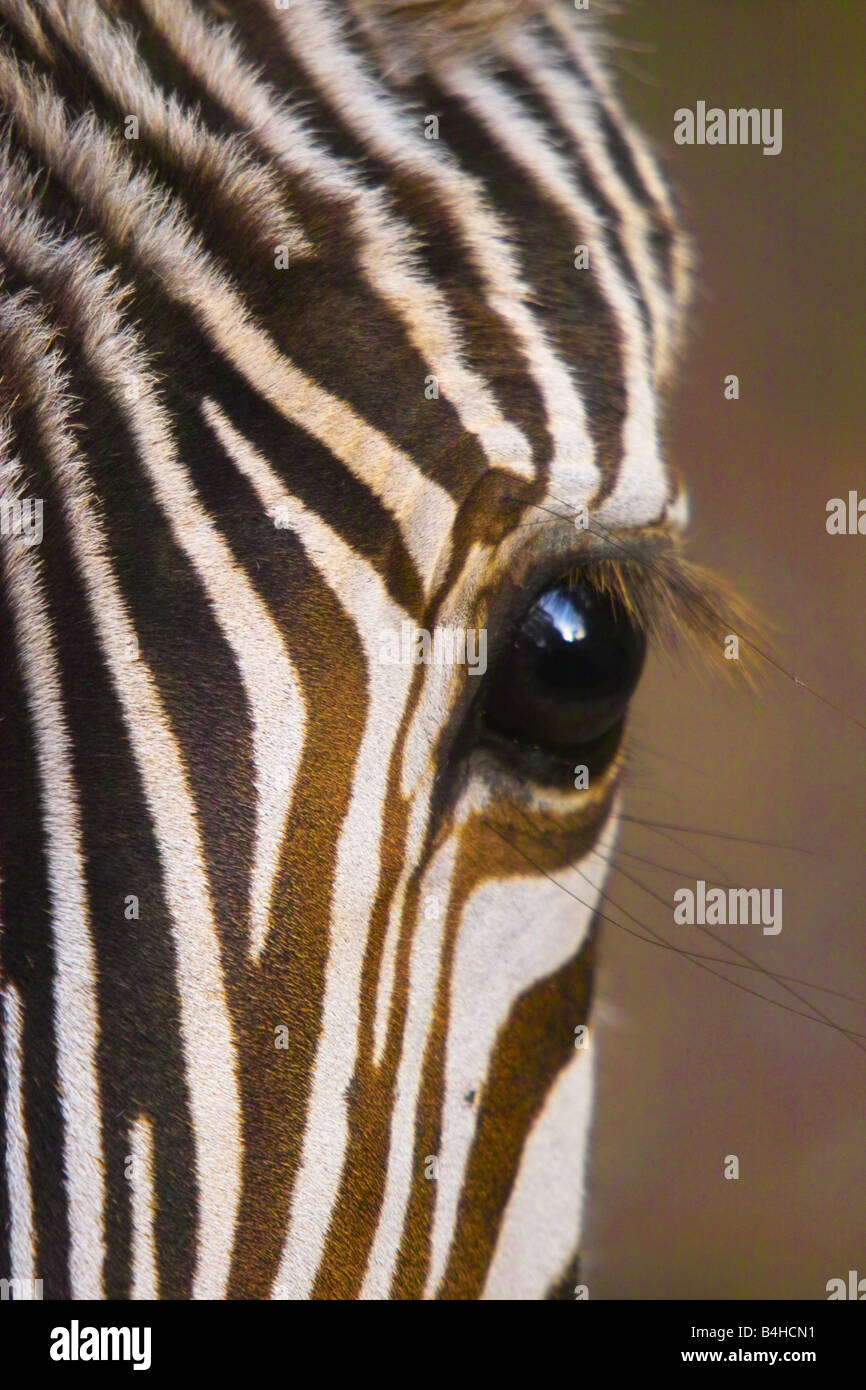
(681,606)
(678,604)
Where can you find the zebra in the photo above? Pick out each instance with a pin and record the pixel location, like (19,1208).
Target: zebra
(317,320)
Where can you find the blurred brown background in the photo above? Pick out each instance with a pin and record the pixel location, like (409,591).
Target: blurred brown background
(690,1067)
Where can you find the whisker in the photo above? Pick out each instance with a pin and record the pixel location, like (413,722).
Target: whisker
(639,745)
(655,939)
(617,543)
(810,689)
(703,859)
(728,946)
(664,868)
(816,1014)
(720,835)
(809,984)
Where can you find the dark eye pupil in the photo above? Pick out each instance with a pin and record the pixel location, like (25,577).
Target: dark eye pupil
(566,679)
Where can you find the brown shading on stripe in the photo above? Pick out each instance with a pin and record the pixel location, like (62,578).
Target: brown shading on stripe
(551,1008)
(286,985)
(487,513)
(371,1095)
(535,1044)
(370,1098)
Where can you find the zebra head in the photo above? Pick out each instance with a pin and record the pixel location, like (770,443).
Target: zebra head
(334,338)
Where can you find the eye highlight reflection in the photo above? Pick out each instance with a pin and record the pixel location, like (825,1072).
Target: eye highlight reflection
(564,614)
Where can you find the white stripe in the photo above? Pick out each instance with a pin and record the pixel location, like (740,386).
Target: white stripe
(541,1224)
(395,135)
(440,688)
(424,970)
(75,1010)
(22,1255)
(443,685)
(576,111)
(644,162)
(387,252)
(641,477)
(209,1051)
(512,934)
(144,1275)
(360,591)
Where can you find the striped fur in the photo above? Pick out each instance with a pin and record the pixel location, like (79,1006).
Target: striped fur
(194,714)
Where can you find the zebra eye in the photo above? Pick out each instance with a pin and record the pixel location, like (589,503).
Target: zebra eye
(566,677)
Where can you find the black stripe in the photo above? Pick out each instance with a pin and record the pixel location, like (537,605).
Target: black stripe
(569,303)
(324,322)
(541,109)
(491,346)
(181,352)
(619,150)
(305,467)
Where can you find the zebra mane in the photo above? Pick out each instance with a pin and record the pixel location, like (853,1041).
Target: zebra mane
(455,15)
(413,32)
